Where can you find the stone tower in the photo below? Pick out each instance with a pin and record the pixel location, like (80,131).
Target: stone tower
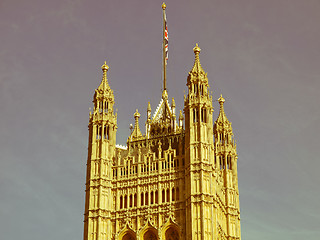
(99,205)
(176,181)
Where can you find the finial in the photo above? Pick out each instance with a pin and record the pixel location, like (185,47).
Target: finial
(221,100)
(196,49)
(149,107)
(136,114)
(165,94)
(181,115)
(164,6)
(173,103)
(105,67)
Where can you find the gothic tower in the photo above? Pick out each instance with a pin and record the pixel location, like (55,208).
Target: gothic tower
(176,181)
(199,154)
(225,162)
(101,150)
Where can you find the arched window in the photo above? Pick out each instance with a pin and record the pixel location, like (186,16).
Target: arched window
(135,199)
(151,198)
(163,196)
(146,198)
(156,197)
(121,202)
(173,195)
(128,236)
(142,199)
(130,201)
(150,235)
(125,201)
(172,234)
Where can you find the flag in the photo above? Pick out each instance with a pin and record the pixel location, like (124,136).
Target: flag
(165,38)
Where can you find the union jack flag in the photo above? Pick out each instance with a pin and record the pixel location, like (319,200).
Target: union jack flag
(166,39)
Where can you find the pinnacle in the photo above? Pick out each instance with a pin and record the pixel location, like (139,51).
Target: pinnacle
(104,85)
(222,116)
(181,115)
(197,68)
(149,107)
(136,132)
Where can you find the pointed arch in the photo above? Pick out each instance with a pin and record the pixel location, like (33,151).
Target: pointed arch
(170,230)
(127,234)
(148,232)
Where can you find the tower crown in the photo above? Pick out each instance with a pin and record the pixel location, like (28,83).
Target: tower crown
(222,119)
(103,100)
(197,74)
(104,85)
(136,134)
(222,127)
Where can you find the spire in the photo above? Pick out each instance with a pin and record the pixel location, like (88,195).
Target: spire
(136,132)
(104,85)
(173,103)
(149,107)
(222,123)
(197,74)
(222,116)
(197,68)
(103,98)
(181,116)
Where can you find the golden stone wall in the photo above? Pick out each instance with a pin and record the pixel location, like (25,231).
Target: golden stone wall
(177,181)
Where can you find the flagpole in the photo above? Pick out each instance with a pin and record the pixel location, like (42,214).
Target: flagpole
(163,48)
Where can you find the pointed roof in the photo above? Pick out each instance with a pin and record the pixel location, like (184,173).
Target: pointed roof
(222,120)
(222,115)
(136,131)
(149,107)
(163,111)
(181,116)
(104,85)
(163,119)
(173,104)
(197,71)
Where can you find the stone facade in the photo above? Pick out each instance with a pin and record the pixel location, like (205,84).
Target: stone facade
(177,181)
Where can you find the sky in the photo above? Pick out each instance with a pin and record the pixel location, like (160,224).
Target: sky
(263,56)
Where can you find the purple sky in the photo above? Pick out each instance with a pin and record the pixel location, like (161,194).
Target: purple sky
(263,56)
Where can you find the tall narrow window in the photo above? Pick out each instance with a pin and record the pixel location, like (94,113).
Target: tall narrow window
(121,202)
(168,195)
(151,198)
(142,199)
(156,197)
(130,201)
(125,201)
(99,129)
(201,114)
(135,199)
(163,196)
(146,198)
(173,195)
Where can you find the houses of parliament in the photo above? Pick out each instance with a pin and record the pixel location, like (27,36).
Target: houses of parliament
(176,181)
